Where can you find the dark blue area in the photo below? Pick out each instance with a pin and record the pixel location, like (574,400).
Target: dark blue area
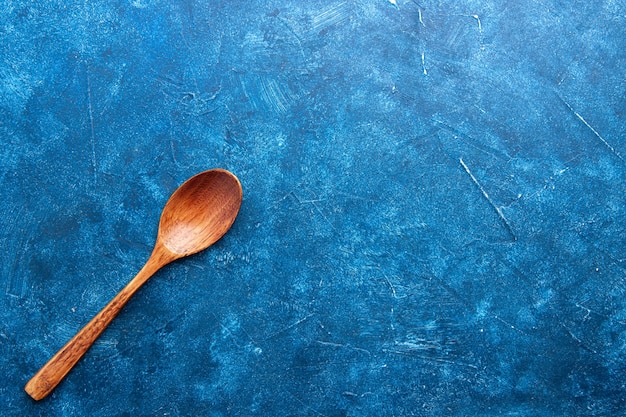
(433,219)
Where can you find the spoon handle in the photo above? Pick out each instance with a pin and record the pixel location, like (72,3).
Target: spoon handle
(53,372)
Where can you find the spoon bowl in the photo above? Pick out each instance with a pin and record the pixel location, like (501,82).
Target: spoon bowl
(196,216)
(187,226)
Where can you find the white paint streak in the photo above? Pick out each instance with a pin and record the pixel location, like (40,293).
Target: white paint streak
(333,15)
(480,26)
(480,31)
(484,193)
(93,131)
(595,132)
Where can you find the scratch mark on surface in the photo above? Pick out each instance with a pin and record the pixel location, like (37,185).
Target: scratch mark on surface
(589,312)
(420,344)
(550,182)
(480,31)
(509,325)
(173,153)
(333,15)
(275,97)
(420,17)
(473,142)
(489,200)
(428,358)
(93,130)
(313,202)
(323,215)
(453,293)
(587,309)
(392,287)
(424,64)
(580,342)
(354,197)
(291,326)
(595,132)
(480,26)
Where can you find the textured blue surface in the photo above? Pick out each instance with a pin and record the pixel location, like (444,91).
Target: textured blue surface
(433,218)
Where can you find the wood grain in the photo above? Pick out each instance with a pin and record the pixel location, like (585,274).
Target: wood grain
(198,214)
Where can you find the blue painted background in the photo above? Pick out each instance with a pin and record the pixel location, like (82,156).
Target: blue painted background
(433,219)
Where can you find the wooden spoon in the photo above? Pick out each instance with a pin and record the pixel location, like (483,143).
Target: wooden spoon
(198,214)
